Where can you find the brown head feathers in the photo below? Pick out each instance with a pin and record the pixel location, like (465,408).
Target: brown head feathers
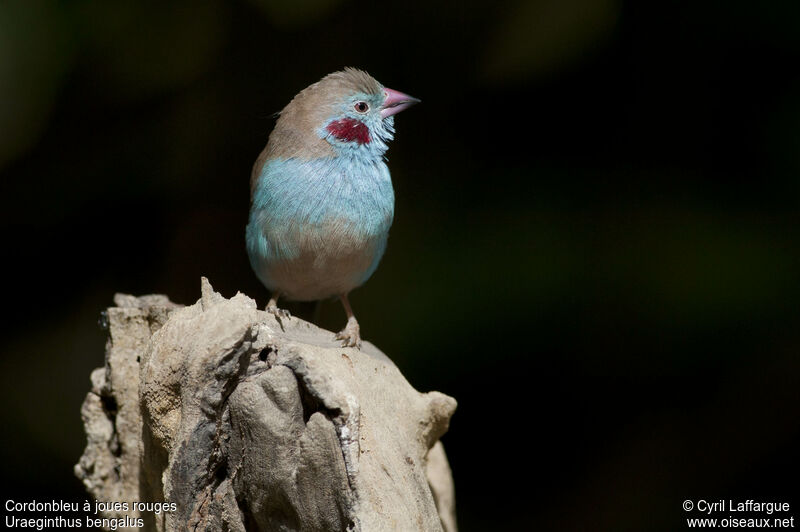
(295,134)
(352,79)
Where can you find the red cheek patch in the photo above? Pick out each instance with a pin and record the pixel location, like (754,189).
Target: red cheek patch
(349,130)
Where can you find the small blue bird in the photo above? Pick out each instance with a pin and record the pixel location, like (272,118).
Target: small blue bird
(321,197)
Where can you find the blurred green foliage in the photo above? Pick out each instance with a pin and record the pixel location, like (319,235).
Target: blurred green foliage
(36,54)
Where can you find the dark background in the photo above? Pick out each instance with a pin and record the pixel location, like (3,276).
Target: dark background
(595,248)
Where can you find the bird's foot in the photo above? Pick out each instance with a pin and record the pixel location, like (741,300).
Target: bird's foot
(278,312)
(350,335)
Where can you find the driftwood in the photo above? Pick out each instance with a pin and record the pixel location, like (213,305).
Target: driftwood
(238,420)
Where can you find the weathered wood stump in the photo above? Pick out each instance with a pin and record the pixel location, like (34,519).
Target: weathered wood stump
(247,422)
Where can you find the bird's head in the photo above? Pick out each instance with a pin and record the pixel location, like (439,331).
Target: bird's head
(346,113)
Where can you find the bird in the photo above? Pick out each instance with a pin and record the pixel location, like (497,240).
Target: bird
(321,195)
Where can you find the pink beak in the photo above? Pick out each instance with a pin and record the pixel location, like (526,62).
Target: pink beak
(395,102)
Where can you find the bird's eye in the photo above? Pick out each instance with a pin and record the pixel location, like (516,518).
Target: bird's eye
(361,107)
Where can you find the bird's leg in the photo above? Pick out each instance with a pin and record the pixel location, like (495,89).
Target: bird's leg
(350,335)
(272,307)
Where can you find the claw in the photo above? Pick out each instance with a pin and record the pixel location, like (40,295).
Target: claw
(350,335)
(278,312)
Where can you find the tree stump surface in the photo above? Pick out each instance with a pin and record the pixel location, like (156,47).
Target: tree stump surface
(249,422)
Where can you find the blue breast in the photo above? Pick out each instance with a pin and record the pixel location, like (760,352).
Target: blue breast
(318,227)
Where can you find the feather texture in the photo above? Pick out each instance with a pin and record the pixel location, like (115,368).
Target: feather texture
(322,200)
(295,134)
(318,228)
